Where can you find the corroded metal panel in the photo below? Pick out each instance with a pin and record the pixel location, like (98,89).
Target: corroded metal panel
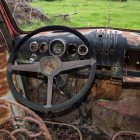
(5,112)
(132,38)
(4,89)
(29,126)
(129,135)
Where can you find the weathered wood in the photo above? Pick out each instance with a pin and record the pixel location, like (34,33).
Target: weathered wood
(65,16)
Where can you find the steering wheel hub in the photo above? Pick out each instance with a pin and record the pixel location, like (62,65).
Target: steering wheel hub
(50,66)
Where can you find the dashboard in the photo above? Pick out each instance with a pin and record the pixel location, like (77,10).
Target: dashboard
(117,52)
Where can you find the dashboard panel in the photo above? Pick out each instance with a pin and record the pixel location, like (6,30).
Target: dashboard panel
(111,48)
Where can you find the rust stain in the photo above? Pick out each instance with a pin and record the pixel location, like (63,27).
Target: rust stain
(132,38)
(5,112)
(101,89)
(3,81)
(110,121)
(128,103)
(104,89)
(14,124)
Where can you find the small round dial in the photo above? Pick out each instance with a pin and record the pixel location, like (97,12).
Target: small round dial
(33,46)
(57,47)
(82,49)
(43,47)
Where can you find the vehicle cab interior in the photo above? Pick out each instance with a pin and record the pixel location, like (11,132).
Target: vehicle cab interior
(72,83)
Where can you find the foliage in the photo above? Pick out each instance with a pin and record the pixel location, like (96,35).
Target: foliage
(90,13)
(119,0)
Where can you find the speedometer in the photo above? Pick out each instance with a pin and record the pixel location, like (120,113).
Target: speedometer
(57,47)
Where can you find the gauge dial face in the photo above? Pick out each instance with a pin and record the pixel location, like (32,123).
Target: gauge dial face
(82,49)
(33,46)
(43,47)
(57,47)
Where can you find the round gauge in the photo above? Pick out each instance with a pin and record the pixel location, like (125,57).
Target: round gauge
(82,49)
(33,46)
(72,48)
(43,47)
(57,47)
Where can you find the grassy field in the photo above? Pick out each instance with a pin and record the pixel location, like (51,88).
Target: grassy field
(90,13)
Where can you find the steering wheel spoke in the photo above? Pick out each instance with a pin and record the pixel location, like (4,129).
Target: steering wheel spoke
(49,92)
(24,67)
(77,64)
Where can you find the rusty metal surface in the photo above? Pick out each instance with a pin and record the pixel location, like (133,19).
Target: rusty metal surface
(28,127)
(132,38)
(126,135)
(128,103)
(111,121)
(5,112)
(3,62)
(130,79)
(3,81)
(106,89)
(63,131)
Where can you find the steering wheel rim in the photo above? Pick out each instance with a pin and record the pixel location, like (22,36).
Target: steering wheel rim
(65,104)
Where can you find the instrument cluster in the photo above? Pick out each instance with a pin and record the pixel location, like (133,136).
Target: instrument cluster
(58,47)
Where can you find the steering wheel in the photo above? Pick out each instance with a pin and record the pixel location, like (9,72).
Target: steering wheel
(50,66)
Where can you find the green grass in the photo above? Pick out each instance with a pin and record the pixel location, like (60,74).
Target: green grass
(91,13)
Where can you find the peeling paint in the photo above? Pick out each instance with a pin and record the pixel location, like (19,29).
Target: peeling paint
(132,38)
